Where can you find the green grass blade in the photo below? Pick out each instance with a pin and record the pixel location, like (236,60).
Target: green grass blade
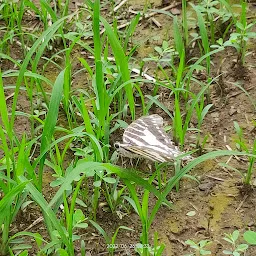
(29,74)
(185,21)
(135,202)
(20,169)
(7,200)
(122,63)
(204,35)
(7,57)
(48,212)
(101,231)
(45,37)
(3,107)
(180,71)
(99,85)
(158,103)
(177,123)
(129,32)
(195,65)
(45,5)
(50,121)
(144,110)
(86,66)
(179,44)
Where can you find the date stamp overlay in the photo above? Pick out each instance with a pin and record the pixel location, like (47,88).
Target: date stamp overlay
(127,246)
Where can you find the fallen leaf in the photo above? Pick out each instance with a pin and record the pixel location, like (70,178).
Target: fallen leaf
(191,213)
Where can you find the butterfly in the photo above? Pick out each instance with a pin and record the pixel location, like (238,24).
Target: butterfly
(146,138)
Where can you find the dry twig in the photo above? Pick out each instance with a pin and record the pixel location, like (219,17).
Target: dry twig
(230,149)
(146,16)
(242,202)
(120,5)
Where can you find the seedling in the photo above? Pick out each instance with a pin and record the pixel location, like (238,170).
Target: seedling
(114,195)
(198,247)
(155,250)
(240,39)
(201,113)
(243,33)
(217,14)
(110,241)
(243,146)
(236,248)
(166,54)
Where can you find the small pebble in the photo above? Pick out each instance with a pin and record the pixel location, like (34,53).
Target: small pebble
(205,186)
(215,116)
(250,224)
(232,111)
(128,234)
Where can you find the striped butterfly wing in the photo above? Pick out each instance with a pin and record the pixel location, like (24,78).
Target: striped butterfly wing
(146,138)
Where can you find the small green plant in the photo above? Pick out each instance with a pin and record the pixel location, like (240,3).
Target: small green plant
(110,241)
(218,15)
(155,250)
(12,14)
(166,54)
(185,23)
(204,38)
(164,58)
(12,165)
(242,145)
(201,112)
(237,249)
(113,195)
(239,39)
(198,247)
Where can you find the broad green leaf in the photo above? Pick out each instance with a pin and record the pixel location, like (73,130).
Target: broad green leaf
(81,225)
(109,180)
(227,252)
(235,235)
(62,252)
(242,247)
(250,237)
(97,183)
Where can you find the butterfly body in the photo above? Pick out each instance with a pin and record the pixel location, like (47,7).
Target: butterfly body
(146,138)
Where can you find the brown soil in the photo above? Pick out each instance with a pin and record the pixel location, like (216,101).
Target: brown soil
(221,205)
